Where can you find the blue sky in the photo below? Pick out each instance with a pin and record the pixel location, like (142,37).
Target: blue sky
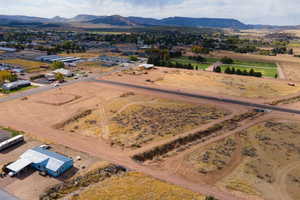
(280,12)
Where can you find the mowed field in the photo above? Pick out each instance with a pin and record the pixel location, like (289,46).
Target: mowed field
(30,66)
(136,186)
(266,72)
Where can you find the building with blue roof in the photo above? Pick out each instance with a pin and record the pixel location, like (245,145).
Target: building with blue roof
(43,160)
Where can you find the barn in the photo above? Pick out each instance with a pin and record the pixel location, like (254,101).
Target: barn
(43,160)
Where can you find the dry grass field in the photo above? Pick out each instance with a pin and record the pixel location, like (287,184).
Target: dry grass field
(30,66)
(215,156)
(82,55)
(134,120)
(136,186)
(238,86)
(270,161)
(95,67)
(296,32)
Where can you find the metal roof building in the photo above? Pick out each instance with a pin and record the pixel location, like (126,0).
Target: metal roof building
(16,85)
(43,160)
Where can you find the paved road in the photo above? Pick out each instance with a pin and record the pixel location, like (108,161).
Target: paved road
(199,96)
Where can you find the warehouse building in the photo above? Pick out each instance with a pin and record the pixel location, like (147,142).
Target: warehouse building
(43,160)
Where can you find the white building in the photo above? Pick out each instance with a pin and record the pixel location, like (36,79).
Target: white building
(64,72)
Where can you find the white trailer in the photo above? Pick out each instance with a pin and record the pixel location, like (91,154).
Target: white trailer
(12,141)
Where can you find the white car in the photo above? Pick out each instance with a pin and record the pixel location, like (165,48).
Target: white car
(56,84)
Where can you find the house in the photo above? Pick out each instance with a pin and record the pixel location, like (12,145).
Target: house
(43,160)
(64,72)
(16,85)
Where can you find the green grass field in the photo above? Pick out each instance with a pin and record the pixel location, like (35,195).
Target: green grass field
(196,65)
(255,63)
(266,71)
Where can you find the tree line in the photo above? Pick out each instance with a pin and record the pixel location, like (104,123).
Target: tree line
(232,70)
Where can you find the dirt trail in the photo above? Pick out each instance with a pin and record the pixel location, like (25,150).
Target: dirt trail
(280,72)
(104,123)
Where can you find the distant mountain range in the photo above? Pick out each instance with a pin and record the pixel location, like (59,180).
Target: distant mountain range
(116,20)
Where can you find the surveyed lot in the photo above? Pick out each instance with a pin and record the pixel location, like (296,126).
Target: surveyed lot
(259,162)
(132,121)
(30,66)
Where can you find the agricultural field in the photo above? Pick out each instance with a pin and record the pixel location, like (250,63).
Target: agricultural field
(136,186)
(28,65)
(227,84)
(132,121)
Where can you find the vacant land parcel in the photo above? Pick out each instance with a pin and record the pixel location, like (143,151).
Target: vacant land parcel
(227,84)
(133,120)
(136,186)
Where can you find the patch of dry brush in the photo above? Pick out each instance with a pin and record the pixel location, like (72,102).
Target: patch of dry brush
(184,142)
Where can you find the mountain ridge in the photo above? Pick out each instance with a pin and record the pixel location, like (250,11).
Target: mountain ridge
(133,21)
